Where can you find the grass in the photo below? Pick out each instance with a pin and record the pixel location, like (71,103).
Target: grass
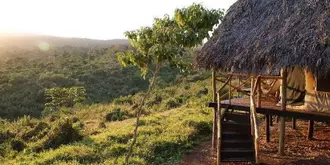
(174,121)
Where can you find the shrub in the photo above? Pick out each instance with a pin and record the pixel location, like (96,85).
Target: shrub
(61,132)
(17,144)
(78,125)
(172,103)
(102,125)
(115,115)
(38,131)
(202,92)
(5,135)
(154,100)
(123,100)
(176,101)
(81,154)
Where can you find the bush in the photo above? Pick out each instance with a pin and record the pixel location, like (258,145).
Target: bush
(115,115)
(61,132)
(123,100)
(202,92)
(172,103)
(5,135)
(38,131)
(176,101)
(17,145)
(154,100)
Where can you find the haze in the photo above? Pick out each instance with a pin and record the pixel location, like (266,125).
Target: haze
(97,19)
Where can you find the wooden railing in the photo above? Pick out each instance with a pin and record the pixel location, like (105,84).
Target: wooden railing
(221,111)
(255,86)
(221,114)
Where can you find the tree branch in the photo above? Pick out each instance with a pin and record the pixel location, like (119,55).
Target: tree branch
(138,112)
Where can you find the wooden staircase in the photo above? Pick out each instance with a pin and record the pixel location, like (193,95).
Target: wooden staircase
(237,143)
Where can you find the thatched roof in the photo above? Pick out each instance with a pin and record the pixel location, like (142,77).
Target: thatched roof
(256,35)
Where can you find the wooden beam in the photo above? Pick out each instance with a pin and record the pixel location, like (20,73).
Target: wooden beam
(219,130)
(254,75)
(310,130)
(214,133)
(321,117)
(237,88)
(267,129)
(283,107)
(294,126)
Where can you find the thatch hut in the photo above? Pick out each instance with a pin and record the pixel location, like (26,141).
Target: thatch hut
(262,37)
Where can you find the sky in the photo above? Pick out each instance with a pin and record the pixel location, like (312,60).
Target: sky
(96,19)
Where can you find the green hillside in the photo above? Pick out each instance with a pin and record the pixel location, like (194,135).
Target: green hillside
(23,79)
(174,121)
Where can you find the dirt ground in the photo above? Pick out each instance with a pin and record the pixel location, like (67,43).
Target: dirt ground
(298,150)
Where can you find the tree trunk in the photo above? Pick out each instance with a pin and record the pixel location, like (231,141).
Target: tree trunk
(138,113)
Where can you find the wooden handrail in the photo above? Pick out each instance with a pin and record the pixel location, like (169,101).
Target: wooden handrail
(238,89)
(255,75)
(224,85)
(254,125)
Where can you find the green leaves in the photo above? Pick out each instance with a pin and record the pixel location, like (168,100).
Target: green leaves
(169,38)
(197,22)
(64,97)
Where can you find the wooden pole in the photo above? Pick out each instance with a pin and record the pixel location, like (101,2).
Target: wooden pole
(219,130)
(310,130)
(214,88)
(230,92)
(267,129)
(283,107)
(294,126)
(259,94)
(270,120)
(251,98)
(239,84)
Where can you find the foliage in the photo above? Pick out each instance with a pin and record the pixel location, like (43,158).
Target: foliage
(165,134)
(115,115)
(64,97)
(166,42)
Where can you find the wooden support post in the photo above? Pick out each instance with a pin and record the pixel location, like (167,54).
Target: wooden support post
(270,120)
(219,130)
(259,94)
(283,107)
(267,129)
(230,92)
(214,88)
(239,84)
(310,130)
(294,126)
(251,98)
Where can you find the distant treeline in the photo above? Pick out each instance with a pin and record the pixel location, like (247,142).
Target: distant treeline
(25,75)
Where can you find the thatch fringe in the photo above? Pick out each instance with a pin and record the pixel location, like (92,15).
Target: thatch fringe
(259,35)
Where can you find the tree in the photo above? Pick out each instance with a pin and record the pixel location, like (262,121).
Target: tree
(166,42)
(64,97)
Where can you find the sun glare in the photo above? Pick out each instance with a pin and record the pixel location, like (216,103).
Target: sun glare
(99,19)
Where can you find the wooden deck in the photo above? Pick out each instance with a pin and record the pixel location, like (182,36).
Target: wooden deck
(269,107)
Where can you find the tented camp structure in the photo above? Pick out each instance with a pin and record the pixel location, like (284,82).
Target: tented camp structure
(262,43)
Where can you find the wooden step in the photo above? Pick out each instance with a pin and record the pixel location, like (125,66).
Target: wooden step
(236,153)
(248,144)
(235,123)
(232,135)
(228,127)
(238,117)
(247,159)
